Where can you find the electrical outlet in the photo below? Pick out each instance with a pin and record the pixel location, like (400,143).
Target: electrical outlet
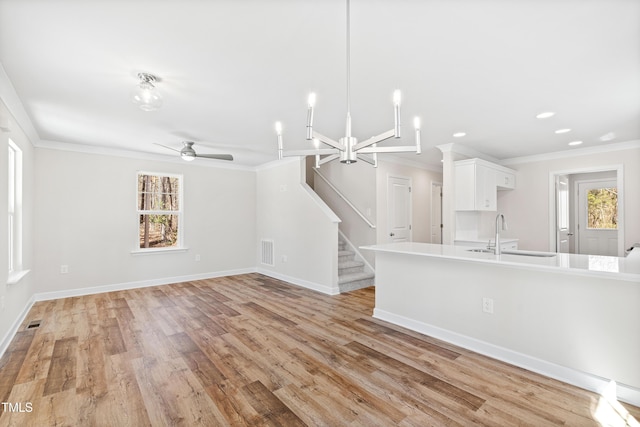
(198,257)
(285,258)
(487,305)
(64,269)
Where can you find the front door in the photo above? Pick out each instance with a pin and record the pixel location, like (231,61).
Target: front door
(598,218)
(399,209)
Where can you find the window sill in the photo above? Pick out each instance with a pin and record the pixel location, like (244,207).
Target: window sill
(16,276)
(137,252)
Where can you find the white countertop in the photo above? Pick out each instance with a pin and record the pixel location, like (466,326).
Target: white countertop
(627,269)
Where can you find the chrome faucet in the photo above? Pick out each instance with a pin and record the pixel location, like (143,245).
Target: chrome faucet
(497,250)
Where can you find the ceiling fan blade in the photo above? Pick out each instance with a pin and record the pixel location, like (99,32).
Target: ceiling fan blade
(216,156)
(170,148)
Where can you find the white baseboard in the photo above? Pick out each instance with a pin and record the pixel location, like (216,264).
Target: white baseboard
(44,296)
(4,344)
(300,282)
(561,373)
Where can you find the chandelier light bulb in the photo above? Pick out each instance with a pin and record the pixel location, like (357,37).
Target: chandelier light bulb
(312,100)
(397,97)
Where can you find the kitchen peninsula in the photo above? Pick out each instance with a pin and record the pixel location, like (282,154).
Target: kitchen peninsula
(571,317)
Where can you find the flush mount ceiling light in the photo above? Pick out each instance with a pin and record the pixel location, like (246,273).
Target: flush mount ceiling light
(348,149)
(146,95)
(545,115)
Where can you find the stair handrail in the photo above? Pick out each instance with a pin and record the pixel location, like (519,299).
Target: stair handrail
(343,197)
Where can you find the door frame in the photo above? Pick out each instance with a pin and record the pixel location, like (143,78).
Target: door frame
(435,184)
(619,169)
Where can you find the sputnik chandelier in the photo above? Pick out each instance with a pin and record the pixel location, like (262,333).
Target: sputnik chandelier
(348,149)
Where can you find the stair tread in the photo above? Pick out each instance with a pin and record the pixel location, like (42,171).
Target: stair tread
(345,252)
(350,264)
(352,277)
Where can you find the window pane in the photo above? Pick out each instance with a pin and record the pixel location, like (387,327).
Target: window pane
(602,208)
(158,231)
(158,193)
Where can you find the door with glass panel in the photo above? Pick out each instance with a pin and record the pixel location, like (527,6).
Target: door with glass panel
(597,217)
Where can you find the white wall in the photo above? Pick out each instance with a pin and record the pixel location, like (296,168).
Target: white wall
(357,182)
(561,324)
(527,207)
(304,230)
(17,296)
(86,219)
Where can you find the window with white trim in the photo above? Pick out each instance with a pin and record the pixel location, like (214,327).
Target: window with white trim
(159,206)
(14,207)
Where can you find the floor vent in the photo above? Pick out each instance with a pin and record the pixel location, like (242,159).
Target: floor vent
(34,324)
(267,252)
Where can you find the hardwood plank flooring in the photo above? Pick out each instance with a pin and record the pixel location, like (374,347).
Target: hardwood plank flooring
(250,350)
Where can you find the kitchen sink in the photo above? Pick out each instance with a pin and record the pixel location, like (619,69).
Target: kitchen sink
(536,254)
(520,253)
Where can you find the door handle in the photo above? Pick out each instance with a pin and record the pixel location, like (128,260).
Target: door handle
(569,234)
(391,234)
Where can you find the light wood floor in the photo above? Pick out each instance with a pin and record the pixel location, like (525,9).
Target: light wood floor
(251,350)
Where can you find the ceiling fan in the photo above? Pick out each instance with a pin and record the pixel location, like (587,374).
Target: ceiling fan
(188,153)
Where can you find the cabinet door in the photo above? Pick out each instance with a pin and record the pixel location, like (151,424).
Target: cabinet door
(505,180)
(465,194)
(486,197)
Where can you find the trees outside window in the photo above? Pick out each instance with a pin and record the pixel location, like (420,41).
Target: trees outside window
(159,210)
(602,208)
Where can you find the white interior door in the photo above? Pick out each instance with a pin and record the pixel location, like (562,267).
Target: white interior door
(597,218)
(436,213)
(563,230)
(399,209)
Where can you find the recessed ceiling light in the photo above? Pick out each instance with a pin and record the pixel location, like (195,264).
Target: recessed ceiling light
(572,143)
(459,134)
(608,137)
(563,130)
(545,115)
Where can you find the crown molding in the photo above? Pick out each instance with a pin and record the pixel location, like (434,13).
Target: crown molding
(618,146)
(115,152)
(12,101)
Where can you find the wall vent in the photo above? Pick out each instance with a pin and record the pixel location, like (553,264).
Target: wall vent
(267,252)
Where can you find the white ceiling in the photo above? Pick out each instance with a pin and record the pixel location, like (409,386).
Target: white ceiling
(232,68)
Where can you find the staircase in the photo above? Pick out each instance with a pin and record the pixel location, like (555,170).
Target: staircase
(352,274)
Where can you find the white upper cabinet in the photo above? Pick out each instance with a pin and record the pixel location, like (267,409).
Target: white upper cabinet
(477,182)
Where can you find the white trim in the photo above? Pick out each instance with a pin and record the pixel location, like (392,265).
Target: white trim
(45,296)
(6,340)
(606,148)
(11,99)
(16,276)
(131,154)
(568,375)
(151,251)
(328,290)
